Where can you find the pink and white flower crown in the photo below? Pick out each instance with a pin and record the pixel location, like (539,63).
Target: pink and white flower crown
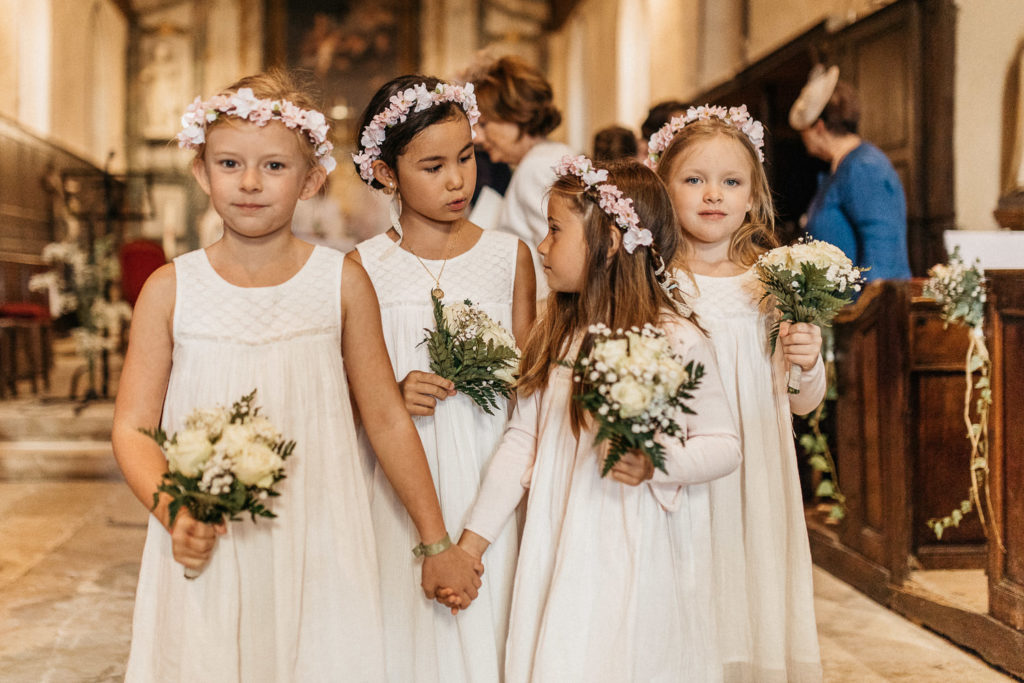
(245,105)
(410,100)
(737,116)
(610,199)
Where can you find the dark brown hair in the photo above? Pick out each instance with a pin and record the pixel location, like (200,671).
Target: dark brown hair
(659,115)
(757,233)
(512,90)
(620,289)
(614,142)
(401,134)
(842,113)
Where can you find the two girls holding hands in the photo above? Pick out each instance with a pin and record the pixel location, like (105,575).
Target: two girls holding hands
(295,597)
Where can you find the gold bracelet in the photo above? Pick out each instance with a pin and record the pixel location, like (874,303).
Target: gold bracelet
(425,550)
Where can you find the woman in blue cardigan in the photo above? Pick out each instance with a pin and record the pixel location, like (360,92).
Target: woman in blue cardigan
(859,206)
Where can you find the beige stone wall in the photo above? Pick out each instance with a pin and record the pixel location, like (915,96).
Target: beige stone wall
(989,34)
(8,58)
(87,81)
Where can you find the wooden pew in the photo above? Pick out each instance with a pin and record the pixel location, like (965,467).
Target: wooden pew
(902,456)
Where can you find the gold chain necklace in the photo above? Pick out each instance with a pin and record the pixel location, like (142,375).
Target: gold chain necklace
(437,292)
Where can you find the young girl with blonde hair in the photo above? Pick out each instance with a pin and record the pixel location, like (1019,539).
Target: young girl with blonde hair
(295,597)
(613,581)
(416,144)
(710,160)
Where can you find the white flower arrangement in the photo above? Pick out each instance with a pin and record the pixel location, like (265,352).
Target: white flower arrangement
(224,462)
(811,281)
(476,353)
(635,387)
(961,290)
(79,283)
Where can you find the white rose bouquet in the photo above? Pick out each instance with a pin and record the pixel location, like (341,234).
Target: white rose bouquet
(634,386)
(469,348)
(224,462)
(810,280)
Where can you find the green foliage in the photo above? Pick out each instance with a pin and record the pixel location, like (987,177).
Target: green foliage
(807,296)
(619,432)
(469,363)
(185,492)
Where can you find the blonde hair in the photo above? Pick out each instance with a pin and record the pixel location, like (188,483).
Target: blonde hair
(274,84)
(620,289)
(757,234)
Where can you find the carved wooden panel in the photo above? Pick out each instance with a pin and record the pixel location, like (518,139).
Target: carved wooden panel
(1006,342)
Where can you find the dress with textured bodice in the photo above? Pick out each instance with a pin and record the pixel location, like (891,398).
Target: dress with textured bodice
(294,598)
(424,642)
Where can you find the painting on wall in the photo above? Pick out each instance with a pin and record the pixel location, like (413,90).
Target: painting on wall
(352,48)
(165,79)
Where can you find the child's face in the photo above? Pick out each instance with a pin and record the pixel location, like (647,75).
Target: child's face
(437,172)
(564,249)
(255,175)
(710,186)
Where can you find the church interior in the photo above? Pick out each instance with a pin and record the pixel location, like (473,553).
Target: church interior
(91,97)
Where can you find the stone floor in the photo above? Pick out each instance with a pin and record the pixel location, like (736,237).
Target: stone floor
(69,555)
(71,536)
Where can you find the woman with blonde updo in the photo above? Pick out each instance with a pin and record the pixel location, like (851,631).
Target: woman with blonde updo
(517,112)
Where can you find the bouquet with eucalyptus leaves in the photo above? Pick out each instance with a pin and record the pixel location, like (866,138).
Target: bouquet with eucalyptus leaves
(811,281)
(635,387)
(476,353)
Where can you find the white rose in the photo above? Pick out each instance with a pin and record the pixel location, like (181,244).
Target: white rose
(189,453)
(672,374)
(453,314)
(632,397)
(611,352)
(506,373)
(212,420)
(233,439)
(778,257)
(256,464)
(265,429)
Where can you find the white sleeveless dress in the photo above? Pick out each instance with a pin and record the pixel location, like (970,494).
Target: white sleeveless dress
(764,592)
(288,599)
(424,642)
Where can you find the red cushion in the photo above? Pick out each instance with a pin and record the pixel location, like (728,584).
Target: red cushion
(138,261)
(24,309)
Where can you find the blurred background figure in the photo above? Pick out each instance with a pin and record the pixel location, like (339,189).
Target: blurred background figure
(860,206)
(657,116)
(614,142)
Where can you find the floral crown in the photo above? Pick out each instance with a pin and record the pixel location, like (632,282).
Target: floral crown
(737,116)
(610,199)
(401,104)
(245,105)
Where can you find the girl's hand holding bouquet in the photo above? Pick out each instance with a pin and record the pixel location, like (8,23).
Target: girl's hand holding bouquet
(224,462)
(634,387)
(810,280)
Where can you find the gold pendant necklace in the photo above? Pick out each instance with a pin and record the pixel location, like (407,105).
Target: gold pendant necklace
(437,292)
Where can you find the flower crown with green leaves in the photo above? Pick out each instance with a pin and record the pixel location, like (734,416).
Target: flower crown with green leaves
(401,104)
(246,106)
(736,116)
(609,198)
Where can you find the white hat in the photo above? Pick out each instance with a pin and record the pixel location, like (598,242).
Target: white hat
(814,96)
